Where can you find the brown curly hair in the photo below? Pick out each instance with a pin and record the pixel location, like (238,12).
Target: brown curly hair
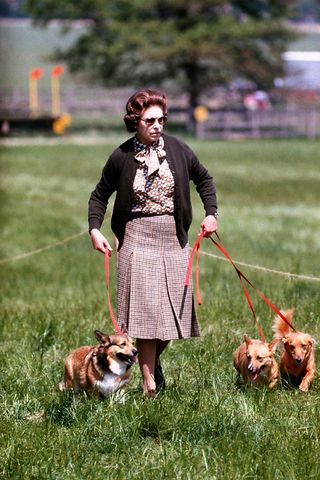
(138,102)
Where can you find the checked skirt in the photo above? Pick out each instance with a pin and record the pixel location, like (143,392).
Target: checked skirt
(151,273)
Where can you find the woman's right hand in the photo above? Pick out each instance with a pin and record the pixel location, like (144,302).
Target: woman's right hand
(99,242)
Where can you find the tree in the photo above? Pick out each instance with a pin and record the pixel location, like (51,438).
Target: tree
(11,8)
(191,43)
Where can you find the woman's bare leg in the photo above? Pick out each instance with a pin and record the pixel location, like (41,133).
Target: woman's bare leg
(147,357)
(149,353)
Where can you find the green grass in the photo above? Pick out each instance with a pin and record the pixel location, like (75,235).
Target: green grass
(201,427)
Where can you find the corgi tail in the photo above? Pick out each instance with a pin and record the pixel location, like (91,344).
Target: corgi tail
(280,327)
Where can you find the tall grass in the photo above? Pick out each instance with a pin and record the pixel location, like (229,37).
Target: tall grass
(201,426)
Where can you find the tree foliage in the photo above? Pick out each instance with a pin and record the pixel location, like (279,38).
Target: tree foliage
(192,43)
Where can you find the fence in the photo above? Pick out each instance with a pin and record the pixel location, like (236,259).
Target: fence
(272,123)
(222,124)
(74,100)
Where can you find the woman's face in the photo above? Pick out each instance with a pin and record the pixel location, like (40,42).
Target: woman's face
(150,125)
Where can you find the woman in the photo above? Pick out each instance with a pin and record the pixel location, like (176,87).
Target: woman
(150,174)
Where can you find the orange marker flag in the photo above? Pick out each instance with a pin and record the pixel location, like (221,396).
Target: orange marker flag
(34,76)
(36,73)
(57,71)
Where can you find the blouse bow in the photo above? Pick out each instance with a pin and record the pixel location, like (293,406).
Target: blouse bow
(152,156)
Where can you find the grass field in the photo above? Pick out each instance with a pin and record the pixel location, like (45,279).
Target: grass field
(201,426)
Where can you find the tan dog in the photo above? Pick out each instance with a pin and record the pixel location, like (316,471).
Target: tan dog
(297,362)
(254,361)
(103,368)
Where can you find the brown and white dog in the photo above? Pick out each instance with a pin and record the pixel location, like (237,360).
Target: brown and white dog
(100,369)
(297,363)
(254,361)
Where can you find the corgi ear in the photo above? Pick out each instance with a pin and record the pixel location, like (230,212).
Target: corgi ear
(102,337)
(247,339)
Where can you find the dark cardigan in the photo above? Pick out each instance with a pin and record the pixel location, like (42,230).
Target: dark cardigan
(118,175)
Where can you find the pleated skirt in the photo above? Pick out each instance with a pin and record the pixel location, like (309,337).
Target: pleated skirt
(152,266)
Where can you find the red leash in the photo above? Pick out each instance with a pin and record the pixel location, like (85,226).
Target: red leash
(241,276)
(245,291)
(223,250)
(113,318)
(195,248)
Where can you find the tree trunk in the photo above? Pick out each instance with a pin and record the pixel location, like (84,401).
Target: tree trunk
(193,93)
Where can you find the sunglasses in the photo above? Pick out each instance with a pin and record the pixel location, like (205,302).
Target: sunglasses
(152,121)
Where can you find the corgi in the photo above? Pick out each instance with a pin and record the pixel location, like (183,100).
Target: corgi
(297,362)
(254,360)
(100,369)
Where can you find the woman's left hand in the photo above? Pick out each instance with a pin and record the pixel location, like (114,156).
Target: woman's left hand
(209,225)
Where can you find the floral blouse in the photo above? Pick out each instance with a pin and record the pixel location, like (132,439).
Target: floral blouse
(153,186)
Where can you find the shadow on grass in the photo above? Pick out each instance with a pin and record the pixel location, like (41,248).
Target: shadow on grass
(284,383)
(63,411)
